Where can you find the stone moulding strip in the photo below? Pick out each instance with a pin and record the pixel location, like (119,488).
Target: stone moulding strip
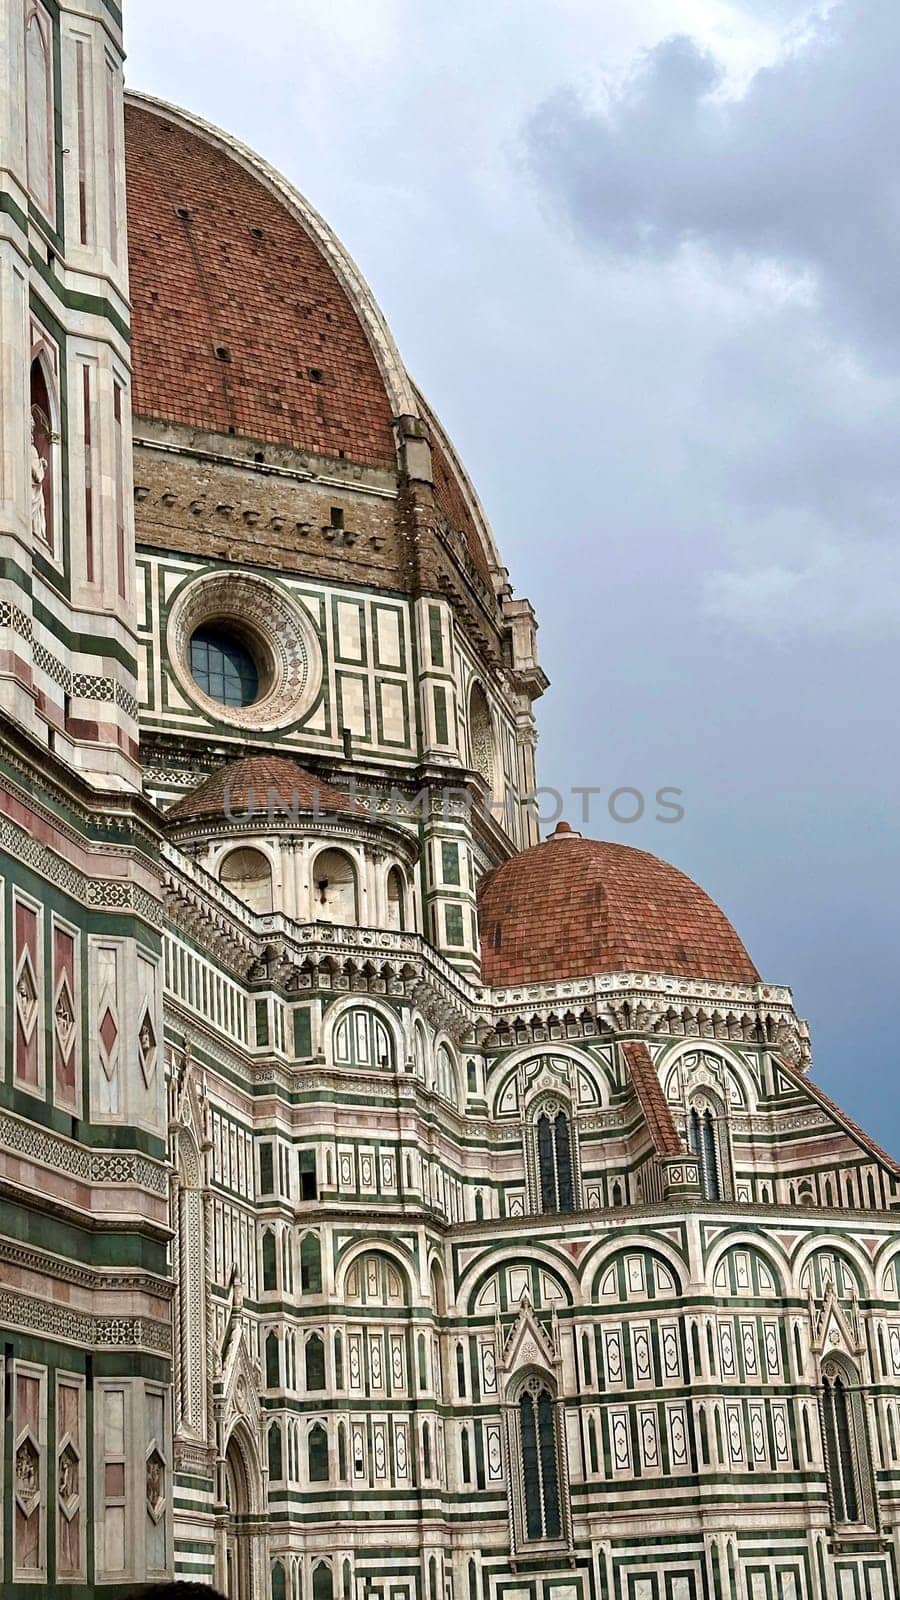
(79,1328)
(267,469)
(110,894)
(92,1166)
(103,1279)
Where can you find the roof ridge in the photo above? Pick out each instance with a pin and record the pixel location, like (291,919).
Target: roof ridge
(655,1108)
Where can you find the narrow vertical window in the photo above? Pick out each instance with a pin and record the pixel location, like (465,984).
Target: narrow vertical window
(112,176)
(315,1362)
(539,1456)
(269,1261)
(120,488)
(554,1161)
(85,163)
(317,1454)
(87,442)
(39,132)
(563,1149)
(703,1143)
(845,1444)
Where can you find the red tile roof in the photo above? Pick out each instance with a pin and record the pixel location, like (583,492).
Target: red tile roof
(450,497)
(652,1101)
(572,907)
(247,785)
(218,261)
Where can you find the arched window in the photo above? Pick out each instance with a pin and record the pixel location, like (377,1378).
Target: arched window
(269,1261)
(43,457)
(334,889)
(279,1582)
(322,1586)
(338,1360)
(445,1080)
(362,1039)
(538,1455)
(317,1455)
(553,1151)
(275,1452)
(704,1131)
(481,736)
(420,1052)
(248,874)
(846,1444)
(273,1364)
(315,1362)
(426,1451)
(396,899)
(310,1264)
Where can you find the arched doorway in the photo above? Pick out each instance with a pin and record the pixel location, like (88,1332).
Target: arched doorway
(237,1576)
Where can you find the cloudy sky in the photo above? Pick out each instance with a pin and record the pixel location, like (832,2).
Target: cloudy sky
(642,255)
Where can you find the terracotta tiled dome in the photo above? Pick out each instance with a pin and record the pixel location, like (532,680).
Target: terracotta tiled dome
(571,907)
(246,786)
(248,317)
(218,262)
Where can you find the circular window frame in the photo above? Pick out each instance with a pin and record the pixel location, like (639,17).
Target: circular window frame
(278,634)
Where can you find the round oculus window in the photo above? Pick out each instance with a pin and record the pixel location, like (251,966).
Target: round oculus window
(223,666)
(244,650)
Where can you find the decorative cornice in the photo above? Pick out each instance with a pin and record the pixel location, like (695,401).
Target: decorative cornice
(80,1328)
(80,1161)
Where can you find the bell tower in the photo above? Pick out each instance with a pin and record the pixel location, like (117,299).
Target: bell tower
(68,672)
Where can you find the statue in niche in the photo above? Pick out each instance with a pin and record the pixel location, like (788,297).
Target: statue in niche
(38,503)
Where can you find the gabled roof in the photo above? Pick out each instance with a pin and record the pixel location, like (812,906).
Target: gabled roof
(651,1099)
(850,1127)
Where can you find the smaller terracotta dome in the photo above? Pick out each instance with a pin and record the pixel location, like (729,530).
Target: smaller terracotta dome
(256,784)
(572,907)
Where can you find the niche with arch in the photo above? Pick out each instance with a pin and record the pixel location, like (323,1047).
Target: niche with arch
(335,893)
(482,749)
(396,900)
(248,874)
(43,454)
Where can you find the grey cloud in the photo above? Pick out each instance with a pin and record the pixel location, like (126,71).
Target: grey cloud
(800,168)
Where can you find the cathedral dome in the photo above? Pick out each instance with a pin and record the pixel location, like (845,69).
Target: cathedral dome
(254,786)
(249,318)
(572,907)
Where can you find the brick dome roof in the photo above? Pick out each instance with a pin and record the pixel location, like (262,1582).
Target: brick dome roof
(218,262)
(246,785)
(572,907)
(249,317)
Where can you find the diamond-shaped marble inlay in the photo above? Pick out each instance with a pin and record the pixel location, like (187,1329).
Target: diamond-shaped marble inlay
(147,1046)
(26,997)
(28,1464)
(64,1018)
(109,1031)
(156,1469)
(68,1481)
